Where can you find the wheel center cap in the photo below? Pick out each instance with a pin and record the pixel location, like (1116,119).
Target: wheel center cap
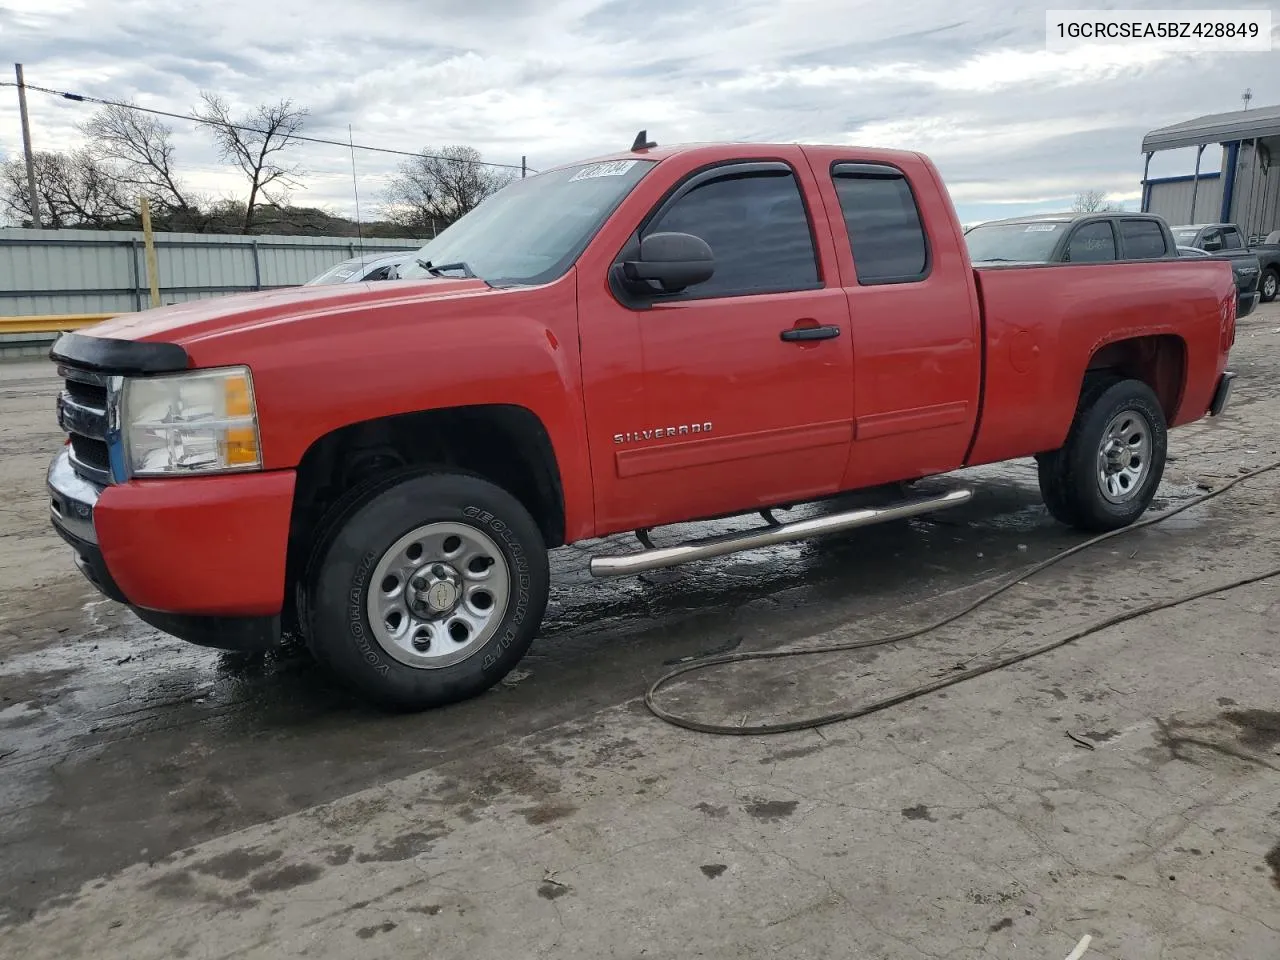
(442,596)
(1115,455)
(435,591)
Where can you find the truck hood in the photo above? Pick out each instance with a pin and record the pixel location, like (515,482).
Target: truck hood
(186,323)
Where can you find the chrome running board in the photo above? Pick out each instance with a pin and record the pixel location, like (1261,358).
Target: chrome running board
(660,557)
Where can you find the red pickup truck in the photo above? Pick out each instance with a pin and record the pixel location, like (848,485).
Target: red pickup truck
(657,336)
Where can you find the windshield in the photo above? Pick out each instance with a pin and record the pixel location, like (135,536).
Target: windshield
(533,229)
(1016,242)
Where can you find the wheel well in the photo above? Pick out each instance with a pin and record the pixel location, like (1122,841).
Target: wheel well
(507,445)
(1158,361)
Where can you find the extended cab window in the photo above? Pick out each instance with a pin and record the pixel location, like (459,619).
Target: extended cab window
(1143,239)
(757,228)
(1092,243)
(883,221)
(1231,238)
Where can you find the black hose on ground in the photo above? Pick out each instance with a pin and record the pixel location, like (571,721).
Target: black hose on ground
(960,675)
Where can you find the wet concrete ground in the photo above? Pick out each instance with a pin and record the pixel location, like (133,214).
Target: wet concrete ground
(121,751)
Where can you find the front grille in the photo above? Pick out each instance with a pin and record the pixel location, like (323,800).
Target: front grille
(91,394)
(82,413)
(91,453)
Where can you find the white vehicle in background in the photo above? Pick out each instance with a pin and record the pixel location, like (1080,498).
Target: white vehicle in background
(369,266)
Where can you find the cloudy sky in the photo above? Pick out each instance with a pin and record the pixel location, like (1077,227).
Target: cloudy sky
(1012,126)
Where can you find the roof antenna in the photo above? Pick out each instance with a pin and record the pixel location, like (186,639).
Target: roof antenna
(642,142)
(355,189)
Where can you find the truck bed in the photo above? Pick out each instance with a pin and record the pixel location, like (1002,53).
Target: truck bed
(1044,322)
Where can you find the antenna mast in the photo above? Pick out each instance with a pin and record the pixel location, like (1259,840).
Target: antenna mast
(355,190)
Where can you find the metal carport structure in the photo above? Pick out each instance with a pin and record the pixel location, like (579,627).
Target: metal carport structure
(1250,186)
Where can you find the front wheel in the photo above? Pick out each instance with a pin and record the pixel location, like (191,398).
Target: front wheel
(1106,474)
(427,590)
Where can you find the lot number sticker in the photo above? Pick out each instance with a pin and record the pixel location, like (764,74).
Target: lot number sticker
(1042,228)
(611,168)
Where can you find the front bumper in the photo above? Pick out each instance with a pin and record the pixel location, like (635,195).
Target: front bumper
(71,503)
(201,558)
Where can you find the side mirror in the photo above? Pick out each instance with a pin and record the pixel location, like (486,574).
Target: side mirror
(674,261)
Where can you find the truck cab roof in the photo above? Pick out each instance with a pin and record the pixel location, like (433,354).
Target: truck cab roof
(1068,217)
(738,150)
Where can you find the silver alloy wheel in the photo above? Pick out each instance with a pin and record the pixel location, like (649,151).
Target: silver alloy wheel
(438,595)
(1124,456)
(1269,283)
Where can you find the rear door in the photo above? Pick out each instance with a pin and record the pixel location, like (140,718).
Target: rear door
(1142,239)
(744,394)
(913,312)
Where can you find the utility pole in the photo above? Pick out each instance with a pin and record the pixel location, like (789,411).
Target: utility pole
(524,167)
(1246,97)
(34,198)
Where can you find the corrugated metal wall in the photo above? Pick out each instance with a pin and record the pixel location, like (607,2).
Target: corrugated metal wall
(90,271)
(1256,201)
(1171,199)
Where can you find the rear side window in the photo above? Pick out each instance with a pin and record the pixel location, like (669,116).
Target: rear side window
(1092,243)
(758,230)
(1143,239)
(883,221)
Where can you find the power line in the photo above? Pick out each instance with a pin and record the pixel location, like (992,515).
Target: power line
(85,98)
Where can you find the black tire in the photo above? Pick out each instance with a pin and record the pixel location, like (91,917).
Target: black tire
(351,542)
(1069,477)
(1270,281)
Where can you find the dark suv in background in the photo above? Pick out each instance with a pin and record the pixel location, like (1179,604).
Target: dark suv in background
(1096,238)
(1226,240)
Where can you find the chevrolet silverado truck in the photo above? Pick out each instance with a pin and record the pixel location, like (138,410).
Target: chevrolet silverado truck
(1097,237)
(652,337)
(1226,240)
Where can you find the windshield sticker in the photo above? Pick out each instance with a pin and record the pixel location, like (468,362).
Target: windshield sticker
(1042,228)
(610,168)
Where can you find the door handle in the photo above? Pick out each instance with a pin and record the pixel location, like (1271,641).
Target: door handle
(811,333)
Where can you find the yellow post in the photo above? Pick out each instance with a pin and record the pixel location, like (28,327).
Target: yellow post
(153,267)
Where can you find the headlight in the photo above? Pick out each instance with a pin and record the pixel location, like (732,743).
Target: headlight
(205,421)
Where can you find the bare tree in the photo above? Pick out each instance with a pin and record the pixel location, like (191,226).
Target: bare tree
(254,143)
(1095,201)
(437,187)
(75,190)
(137,149)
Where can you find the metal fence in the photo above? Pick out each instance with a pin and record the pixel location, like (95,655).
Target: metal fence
(44,272)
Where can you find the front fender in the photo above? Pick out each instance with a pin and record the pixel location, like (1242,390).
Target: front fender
(315,374)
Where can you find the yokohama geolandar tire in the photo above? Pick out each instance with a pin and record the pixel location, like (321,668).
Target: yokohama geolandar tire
(1106,474)
(424,590)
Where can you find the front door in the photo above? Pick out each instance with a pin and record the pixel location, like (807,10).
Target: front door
(741,387)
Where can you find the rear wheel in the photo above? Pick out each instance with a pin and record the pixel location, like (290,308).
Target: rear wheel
(1270,284)
(1106,474)
(426,590)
